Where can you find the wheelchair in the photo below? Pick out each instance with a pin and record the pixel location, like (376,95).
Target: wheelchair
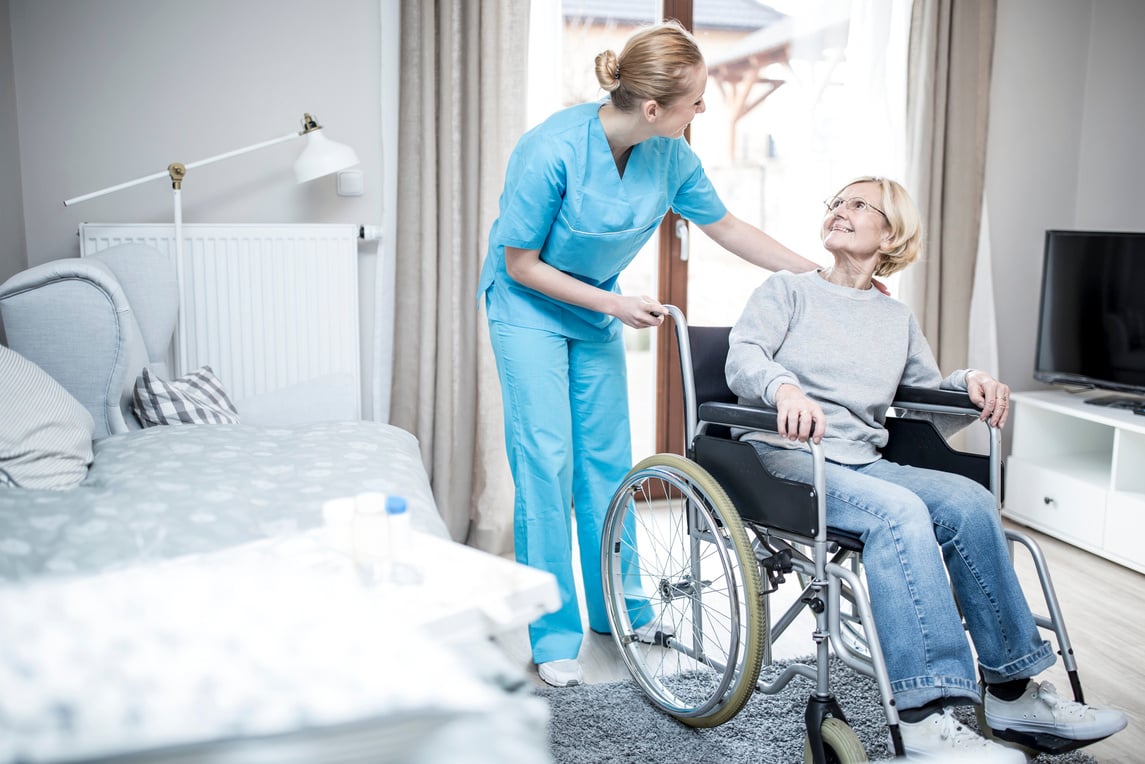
(694,547)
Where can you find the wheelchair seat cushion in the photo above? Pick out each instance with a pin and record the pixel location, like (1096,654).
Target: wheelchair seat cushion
(845,539)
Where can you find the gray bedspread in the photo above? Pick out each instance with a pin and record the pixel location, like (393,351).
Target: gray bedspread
(171,491)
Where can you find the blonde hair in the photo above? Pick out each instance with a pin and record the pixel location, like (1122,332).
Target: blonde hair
(654,65)
(905,244)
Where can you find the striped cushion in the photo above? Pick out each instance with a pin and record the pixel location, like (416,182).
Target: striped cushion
(45,433)
(194,398)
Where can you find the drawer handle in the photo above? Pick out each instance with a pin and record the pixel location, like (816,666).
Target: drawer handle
(1048,501)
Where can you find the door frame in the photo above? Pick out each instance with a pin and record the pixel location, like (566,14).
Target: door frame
(673,289)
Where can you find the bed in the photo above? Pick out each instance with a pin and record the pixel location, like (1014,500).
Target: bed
(175,593)
(171,491)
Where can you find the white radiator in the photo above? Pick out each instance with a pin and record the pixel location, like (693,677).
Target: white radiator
(266,306)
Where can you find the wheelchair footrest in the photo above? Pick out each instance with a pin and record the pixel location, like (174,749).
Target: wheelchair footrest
(1043,742)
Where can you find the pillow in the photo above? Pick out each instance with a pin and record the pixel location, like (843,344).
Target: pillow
(194,398)
(45,433)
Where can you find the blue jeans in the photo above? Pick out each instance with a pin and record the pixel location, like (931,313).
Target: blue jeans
(911,520)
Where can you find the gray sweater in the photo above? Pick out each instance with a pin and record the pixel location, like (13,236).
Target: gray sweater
(848,350)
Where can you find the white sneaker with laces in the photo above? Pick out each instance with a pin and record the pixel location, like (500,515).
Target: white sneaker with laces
(941,737)
(562,673)
(1042,710)
(647,633)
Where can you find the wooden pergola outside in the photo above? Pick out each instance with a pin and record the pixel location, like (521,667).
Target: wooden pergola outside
(741,73)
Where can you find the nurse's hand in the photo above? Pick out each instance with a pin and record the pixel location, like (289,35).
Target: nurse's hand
(639,312)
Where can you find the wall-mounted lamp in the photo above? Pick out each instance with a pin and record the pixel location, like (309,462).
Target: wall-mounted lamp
(321,156)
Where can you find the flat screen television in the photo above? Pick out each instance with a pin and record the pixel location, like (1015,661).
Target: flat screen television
(1091,325)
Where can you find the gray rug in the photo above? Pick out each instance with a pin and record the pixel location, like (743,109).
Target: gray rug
(614,722)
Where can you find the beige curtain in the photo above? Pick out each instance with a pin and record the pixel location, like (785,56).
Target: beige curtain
(948,96)
(463,72)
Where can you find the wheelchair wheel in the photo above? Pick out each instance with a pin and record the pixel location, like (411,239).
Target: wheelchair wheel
(678,566)
(841,742)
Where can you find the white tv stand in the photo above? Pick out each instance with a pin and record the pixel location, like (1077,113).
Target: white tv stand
(1077,472)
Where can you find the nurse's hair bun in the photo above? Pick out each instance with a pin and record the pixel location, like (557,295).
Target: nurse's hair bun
(657,63)
(608,70)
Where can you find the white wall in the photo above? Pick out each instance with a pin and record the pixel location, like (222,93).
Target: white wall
(1066,149)
(109,90)
(1112,157)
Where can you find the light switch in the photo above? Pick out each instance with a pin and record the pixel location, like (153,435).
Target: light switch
(350,183)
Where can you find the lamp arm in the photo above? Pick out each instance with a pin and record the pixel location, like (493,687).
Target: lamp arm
(167,174)
(237,152)
(119,187)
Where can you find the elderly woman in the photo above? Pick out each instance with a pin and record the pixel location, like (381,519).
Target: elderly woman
(828,351)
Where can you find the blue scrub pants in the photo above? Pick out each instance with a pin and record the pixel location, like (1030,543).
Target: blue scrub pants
(569,445)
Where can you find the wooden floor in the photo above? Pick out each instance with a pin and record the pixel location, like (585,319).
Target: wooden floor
(1104,607)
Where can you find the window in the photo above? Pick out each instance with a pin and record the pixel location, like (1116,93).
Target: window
(803,95)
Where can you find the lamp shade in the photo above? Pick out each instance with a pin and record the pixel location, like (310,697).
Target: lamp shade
(322,156)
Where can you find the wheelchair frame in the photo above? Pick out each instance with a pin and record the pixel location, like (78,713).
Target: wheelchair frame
(704,674)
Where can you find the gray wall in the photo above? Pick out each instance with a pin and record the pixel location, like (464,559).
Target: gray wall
(12,257)
(1065,148)
(100,92)
(110,90)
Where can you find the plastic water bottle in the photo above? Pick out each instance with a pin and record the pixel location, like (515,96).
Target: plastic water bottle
(338,522)
(371,537)
(403,571)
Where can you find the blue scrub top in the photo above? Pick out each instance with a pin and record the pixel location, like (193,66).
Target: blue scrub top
(564,196)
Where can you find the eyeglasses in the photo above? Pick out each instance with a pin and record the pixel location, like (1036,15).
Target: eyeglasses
(854,204)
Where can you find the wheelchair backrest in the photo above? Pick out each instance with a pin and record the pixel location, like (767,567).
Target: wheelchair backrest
(758,496)
(709,354)
(912,441)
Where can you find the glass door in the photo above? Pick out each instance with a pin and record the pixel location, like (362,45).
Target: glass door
(802,96)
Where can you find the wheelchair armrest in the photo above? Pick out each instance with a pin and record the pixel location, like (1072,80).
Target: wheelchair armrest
(920,443)
(736,415)
(927,399)
(906,397)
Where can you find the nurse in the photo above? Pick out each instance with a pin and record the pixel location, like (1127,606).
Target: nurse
(583,192)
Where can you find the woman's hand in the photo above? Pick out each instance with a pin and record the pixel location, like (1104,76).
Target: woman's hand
(639,312)
(990,395)
(799,417)
(526,267)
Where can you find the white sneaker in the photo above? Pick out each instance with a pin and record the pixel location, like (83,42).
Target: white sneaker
(941,737)
(562,673)
(1042,710)
(653,632)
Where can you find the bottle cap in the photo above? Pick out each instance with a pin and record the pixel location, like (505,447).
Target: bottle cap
(395,505)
